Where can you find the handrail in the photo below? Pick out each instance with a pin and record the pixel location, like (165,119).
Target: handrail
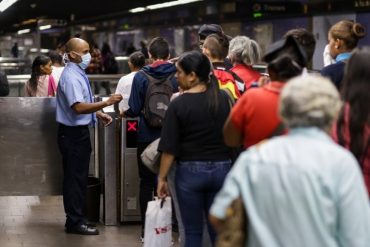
(97,77)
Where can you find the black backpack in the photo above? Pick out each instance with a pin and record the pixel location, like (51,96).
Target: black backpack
(157,99)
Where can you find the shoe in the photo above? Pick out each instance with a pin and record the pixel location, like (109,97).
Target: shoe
(83,230)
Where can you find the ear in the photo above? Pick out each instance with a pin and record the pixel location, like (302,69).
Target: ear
(192,77)
(338,43)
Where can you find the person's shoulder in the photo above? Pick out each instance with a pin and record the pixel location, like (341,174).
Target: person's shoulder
(332,67)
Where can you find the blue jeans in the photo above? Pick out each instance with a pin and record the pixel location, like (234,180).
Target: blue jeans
(197,183)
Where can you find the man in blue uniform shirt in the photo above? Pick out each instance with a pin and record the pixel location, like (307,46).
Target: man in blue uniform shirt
(75,111)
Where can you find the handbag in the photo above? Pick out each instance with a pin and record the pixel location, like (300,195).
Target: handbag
(151,157)
(52,88)
(234,228)
(158,223)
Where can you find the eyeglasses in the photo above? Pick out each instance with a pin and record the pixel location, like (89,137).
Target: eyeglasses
(201,45)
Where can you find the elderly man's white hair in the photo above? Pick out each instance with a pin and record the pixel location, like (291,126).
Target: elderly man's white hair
(244,50)
(309,101)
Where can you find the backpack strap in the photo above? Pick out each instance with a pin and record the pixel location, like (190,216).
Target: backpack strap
(239,82)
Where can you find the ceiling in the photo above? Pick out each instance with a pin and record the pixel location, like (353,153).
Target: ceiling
(78,10)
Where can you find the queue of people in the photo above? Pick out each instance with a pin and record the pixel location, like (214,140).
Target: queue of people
(303,174)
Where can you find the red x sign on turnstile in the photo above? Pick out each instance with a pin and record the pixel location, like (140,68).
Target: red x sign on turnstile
(131,126)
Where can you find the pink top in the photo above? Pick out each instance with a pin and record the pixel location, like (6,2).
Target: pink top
(42,88)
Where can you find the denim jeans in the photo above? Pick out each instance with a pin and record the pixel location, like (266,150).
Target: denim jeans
(197,183)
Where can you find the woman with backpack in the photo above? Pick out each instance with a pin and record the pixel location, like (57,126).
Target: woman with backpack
(243,53)
(192,135)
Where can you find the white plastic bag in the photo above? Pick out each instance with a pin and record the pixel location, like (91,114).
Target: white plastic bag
(158,223)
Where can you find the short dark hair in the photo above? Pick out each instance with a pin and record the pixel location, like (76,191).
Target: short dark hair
(137,59)
(55,57)
(159,48)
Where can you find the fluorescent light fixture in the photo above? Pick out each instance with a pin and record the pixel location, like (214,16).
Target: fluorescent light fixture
(33,50)
(45,27)
(170,4)
(162,5)
(121,58)
(44,50)
(6,4)
(136,10)
(24,31)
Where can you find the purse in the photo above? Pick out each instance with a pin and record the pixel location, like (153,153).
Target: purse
(151,157)
(234,228)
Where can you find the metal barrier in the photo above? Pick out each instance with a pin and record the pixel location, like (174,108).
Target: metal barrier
(16,82)
(130,210)
(30,163)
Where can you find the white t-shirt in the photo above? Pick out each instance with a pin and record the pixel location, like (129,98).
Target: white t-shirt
(124,88)
(56,73)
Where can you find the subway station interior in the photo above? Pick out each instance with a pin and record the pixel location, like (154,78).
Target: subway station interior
(31,171)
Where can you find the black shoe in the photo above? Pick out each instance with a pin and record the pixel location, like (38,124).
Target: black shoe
(83,230)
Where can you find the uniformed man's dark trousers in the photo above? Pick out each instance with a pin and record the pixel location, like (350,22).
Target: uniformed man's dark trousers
(75,147)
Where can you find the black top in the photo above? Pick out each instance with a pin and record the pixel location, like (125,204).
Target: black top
(191,132)
(334,72)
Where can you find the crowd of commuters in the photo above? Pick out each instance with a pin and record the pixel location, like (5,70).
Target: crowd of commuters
(303,174)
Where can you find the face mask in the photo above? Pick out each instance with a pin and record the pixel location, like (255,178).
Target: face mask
(65,58)
(85,61)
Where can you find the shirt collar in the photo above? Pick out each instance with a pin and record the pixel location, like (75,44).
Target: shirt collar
(314,132)
(274,86)
(343,56)
(157,63)
(75,67)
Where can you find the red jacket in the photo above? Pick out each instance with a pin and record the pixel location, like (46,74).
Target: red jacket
(246,73)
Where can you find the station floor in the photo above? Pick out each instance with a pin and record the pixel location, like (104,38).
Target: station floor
(32,221)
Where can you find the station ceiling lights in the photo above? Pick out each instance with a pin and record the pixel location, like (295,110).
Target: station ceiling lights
(6,4)
(162,5)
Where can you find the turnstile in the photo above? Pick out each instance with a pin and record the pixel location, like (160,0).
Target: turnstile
(130,208)
(109,167)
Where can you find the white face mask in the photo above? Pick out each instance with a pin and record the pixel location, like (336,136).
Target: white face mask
(65,58)
(86,59)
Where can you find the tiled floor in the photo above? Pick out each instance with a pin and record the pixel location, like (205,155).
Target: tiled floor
(30,221)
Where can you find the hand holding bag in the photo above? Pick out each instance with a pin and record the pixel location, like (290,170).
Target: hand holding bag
(158,223)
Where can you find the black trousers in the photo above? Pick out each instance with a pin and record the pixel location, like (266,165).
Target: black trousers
(148,183)
(75,147)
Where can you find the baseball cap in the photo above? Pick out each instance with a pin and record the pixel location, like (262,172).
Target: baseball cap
(207,29)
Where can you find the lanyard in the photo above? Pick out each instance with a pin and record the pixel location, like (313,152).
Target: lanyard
(93,116)
(343,56)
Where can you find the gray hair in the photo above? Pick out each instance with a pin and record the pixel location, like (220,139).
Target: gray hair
(244,50)
(308,101)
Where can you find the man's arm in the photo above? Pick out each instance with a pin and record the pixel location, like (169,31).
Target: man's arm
(232,136)
(86,108)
